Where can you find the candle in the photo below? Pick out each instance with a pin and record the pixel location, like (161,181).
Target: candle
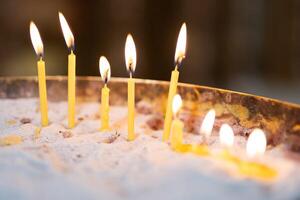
(207,124)
(39,49)
(69,38)
(177,125)
(256,146)
(205,129)
(226,136)
(130,59)
(105,73)
(179,56)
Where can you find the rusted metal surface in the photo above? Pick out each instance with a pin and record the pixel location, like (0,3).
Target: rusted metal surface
(280,120)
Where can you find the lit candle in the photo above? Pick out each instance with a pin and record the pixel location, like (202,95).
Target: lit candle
(69,38)
(179,56)
(39,49)
(227,140)
(130,59)
(104,68)
(205,129)
(256,146)
(177,125)
(208,124)
(226,136)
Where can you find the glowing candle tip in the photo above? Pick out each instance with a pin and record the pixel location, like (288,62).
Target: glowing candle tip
(208,123)
(130,54)
(36,40)
(176,104)
(68,35)
(257,143)
(104,68)
(226,136)
(181,45)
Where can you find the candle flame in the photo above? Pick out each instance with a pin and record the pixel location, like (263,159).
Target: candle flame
(226,135)
(36,40)
(257,143)
(177,103)
(104,68)
(181,45)
(68,35)
(130,54)
(208,123)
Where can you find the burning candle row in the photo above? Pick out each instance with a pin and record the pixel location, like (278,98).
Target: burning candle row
(256,143)
(255,148)
(130,60)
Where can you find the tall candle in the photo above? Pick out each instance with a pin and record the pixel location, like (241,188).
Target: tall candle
(179,56)
(130,59)
(105,72)
(69,38)
(39,49)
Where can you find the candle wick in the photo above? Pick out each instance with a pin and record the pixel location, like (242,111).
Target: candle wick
(178,62)
(40,56)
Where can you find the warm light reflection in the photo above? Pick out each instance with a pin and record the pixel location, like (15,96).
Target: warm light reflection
(181,45)
(36,40)
(104,68)
(208,123)
(130,54)
(177,103)
(226,136)
(68,35)
(257,143)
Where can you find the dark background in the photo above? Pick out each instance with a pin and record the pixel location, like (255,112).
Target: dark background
(250,46)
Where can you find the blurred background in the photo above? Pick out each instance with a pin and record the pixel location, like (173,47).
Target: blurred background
(249,46)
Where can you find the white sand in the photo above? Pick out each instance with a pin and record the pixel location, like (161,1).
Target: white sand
(89,164)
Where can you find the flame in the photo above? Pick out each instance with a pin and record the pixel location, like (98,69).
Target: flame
(177,103)
(181,45)
(36,40)
(257,143)
(226,135)
(68,35)
(208,123)
(104,68)
(130,54)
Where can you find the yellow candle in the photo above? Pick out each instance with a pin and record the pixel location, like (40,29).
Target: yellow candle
(105,108)
(256,146)
(177,125)
(69,38)
(226,136)
(39,49)
(43,92)
(179,56)
(130,59)
(172,92)
(71,89)
(177,134)
(257,170)
(131,88)
(105,74)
